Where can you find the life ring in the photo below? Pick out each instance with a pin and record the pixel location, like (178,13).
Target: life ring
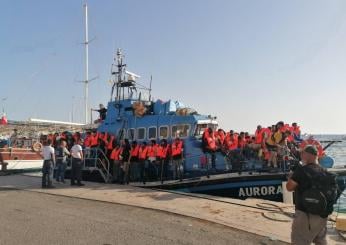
(37,147)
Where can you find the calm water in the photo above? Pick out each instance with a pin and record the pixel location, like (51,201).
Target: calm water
(338,152)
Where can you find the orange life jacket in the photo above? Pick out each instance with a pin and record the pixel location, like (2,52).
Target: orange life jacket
(87,141)
(142,152)
(94,139)
(135,151)
(152,151)
(259,136)
(104,138)
(110,143)
(231,142)
(177,148)
(211,143)
(241,143)
(162,151)
(116,152)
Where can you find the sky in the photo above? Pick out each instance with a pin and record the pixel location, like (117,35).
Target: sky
(247,62)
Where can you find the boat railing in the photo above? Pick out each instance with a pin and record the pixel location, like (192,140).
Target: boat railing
(96,160)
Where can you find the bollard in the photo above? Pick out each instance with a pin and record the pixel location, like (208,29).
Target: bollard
(287,195)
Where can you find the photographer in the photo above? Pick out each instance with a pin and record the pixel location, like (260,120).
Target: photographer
(315,193)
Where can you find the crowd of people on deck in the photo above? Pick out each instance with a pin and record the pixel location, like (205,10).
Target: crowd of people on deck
(149,161)
(270,144)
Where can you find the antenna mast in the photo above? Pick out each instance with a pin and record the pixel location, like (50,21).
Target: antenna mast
(86,43)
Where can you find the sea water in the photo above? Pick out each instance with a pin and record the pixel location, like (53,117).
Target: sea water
(338,152)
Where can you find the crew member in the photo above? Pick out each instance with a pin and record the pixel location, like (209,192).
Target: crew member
(48,154)
(77,164)
(102,111)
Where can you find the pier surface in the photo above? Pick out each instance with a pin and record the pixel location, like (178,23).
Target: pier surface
(115,214)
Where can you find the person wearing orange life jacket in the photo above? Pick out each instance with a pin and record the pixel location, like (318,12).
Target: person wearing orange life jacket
(257,141)
(266,134)
(241,140)
(177,151)
(134,167)
(152,159)
(94,139)
(221,135)
(126,159)
(116,162)
(296,132)
(231,141)
(290,137)
(143,163)
(111,142)
(87,140)
(313,142)
(163,152)
(210,147)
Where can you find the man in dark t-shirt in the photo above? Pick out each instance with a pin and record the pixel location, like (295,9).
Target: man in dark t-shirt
(102,111)
(306,228)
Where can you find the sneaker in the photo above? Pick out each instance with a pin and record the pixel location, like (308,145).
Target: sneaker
(73,183)
(80,184)
(51,187)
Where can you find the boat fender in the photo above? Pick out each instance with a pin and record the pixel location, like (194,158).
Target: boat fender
(326,161)
(37,147)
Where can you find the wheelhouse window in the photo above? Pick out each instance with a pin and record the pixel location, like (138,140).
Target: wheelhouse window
(181,131)
(202,126)
(163,132)
(131,134)
(140,133)
(152,133)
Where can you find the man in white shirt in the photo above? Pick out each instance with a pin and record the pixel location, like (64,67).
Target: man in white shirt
(48,164)
(77,164)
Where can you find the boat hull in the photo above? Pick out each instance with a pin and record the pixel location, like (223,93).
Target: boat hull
(17,159)
(267,186)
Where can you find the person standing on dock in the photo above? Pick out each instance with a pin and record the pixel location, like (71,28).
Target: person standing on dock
(316,192)
(77,164)
(48,164)
(61,161)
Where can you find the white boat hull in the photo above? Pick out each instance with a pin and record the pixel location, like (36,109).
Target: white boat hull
(23,164)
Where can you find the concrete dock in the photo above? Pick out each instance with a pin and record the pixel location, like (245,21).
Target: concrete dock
(146,216)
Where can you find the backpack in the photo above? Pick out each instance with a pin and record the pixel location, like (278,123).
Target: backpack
(322,194)
(59,152)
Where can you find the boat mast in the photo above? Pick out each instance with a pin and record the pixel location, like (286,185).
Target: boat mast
(86,82)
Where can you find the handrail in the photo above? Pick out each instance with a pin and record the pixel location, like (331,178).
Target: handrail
(97,162)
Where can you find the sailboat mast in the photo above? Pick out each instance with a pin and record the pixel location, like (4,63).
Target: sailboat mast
(86,43)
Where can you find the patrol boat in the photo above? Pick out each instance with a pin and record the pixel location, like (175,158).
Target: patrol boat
(133,114)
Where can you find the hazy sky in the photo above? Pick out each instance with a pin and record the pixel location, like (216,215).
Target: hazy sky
(246,62)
